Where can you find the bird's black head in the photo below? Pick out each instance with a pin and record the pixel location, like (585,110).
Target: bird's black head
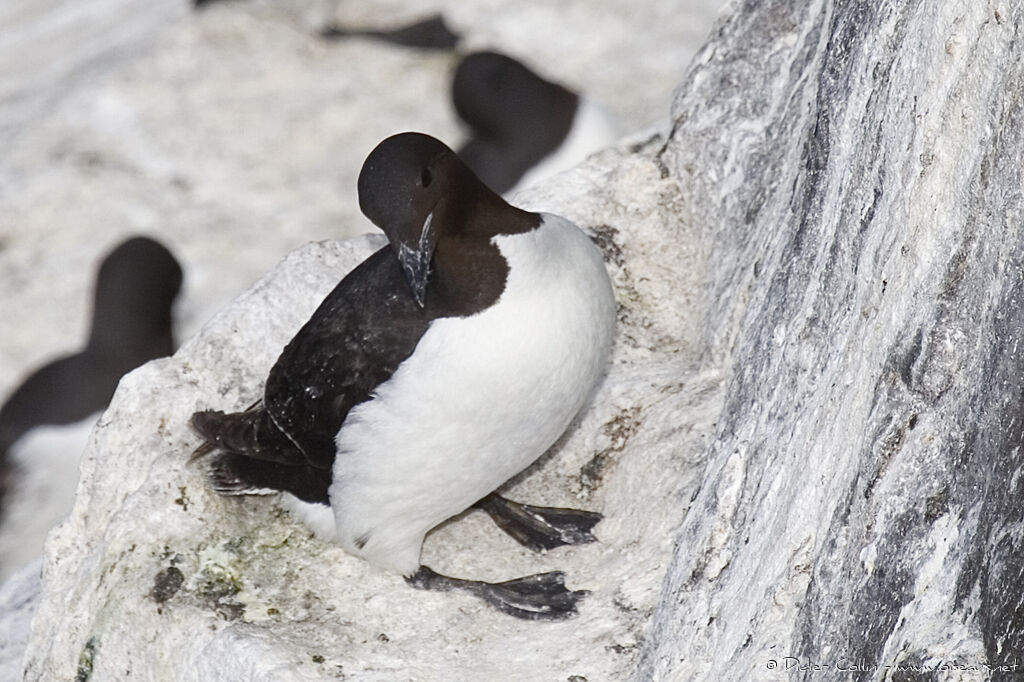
(491,92)
(415,189)
(515,117)
(136,286)
(500,97)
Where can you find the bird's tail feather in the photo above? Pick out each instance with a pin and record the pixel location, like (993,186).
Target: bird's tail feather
(251,434)
(237,432)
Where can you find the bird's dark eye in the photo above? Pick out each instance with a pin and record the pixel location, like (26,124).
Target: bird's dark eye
(426,177)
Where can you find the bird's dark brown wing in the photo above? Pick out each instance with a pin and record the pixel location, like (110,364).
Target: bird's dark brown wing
(354,341)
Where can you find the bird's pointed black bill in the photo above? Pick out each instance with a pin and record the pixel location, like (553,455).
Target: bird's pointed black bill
(415,260)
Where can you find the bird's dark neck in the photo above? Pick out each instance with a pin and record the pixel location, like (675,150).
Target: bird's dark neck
(468,271)
(130,335)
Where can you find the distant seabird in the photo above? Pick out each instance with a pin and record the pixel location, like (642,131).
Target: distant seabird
(523,128)
(44,422)
(431,33)
(444,364)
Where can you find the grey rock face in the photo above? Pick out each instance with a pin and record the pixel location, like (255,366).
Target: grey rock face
(857,168)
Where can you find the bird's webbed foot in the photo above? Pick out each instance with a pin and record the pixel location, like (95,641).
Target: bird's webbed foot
(540,528)
(542,596)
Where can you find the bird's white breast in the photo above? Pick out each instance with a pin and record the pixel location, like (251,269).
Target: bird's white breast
(42,491)
(479,400)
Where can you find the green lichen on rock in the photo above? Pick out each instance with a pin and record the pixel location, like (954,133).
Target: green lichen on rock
(219,578)
(85,661)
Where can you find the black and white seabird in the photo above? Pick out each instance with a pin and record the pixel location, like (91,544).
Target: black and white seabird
(440,367)
(523,127)
(44,422)
(430,33)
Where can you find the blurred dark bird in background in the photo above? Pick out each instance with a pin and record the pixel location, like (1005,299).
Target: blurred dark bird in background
(522,127)
(135,289)
(431,33)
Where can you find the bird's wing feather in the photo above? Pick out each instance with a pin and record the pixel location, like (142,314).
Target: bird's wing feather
(354,341)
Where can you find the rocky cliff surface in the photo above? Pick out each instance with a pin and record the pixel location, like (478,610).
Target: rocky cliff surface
(857,170)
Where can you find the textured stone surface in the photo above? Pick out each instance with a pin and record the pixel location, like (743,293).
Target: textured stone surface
(857,169)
